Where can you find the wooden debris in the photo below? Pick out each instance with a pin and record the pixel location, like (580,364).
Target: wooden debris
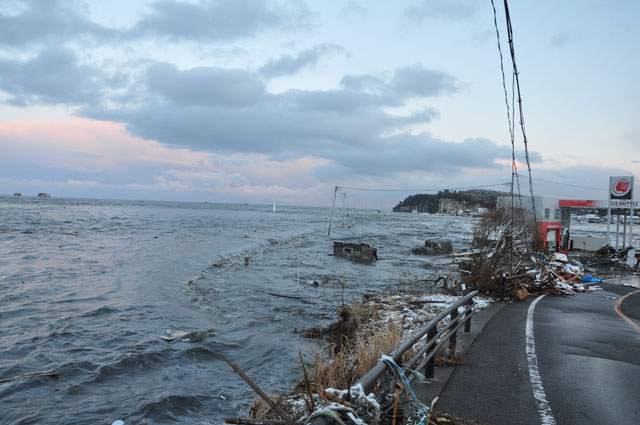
(333,398)
(310,404)
(395,406)
(287,419)
(30,375)
(247,421)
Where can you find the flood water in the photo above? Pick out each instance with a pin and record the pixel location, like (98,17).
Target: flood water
(88,286)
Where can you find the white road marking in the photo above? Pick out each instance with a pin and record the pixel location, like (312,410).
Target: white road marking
(546,417)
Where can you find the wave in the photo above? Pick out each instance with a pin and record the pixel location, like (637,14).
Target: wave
(238,256)
(169,408)
(102,311)
(131,361)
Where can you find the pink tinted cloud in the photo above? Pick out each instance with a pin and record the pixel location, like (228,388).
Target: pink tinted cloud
(81,145)
(101,144)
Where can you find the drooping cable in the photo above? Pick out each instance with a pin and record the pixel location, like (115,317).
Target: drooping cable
(514,166)
(520,111)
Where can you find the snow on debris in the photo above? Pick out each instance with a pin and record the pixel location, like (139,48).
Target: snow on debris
(411,311)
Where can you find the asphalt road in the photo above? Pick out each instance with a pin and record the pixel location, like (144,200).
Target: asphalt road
(588,358)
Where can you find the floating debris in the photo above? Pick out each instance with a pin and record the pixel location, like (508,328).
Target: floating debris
(174,335)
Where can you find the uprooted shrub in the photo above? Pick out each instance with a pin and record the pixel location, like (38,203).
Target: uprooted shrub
(505,239)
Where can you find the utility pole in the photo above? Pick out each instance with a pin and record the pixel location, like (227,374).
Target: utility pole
(335,192)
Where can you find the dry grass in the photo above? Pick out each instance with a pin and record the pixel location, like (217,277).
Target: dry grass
(349,361)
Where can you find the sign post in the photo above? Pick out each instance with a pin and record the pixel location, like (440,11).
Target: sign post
(621,195)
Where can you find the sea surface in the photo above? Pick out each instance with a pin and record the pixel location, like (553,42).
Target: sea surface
(87,287)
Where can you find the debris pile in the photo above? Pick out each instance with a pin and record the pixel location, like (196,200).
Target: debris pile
(556,275)
(608,255)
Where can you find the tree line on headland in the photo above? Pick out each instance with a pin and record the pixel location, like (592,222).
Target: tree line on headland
(468,199)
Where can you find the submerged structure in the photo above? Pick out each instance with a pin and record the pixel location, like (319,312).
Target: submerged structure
(362,252)
(434,248)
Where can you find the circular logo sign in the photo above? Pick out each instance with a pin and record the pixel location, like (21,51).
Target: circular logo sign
(621,187)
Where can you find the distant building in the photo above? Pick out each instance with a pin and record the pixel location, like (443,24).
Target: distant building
(549,218)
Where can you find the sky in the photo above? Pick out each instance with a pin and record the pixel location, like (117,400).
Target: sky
(281,101)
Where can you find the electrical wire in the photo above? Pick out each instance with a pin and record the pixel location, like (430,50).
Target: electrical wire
(422,190)
(514,167)
(566,184)
(521,114)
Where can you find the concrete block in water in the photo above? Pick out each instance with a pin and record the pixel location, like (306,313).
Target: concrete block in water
(362,252)
(434,248)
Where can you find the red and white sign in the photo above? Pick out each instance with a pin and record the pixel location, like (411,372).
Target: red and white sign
(583,203)
(621,187)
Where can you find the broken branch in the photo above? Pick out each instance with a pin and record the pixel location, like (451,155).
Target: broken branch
(307,386)
(261,393)
(30,375)
(246,421)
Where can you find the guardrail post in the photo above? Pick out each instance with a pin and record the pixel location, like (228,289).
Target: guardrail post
(429,370)
(453,338)
(467,324)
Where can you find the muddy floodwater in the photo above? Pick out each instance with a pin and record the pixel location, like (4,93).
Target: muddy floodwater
(89,286)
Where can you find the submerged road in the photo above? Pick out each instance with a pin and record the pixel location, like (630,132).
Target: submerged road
(554,360)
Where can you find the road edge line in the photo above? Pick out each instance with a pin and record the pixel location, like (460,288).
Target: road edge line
(624,316)
(544,410)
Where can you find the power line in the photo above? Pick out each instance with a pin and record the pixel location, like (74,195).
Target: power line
(422,190)
(515,73)
(514,166)
(566,184)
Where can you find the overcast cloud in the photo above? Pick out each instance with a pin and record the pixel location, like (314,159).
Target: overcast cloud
(289,65)
(47,22)
(218,20)
(54,76)
(288,98)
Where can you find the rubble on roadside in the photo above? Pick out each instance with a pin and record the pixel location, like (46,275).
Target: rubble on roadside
(555,275)
(609,256)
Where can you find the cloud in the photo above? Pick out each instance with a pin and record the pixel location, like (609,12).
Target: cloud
(230,110)
(217,20)
(573,182)
(205,86)
(415,153)
(289,65)
(563,38)
(58,22)
(52,77)
(455,10)
(353,9)
(47,22)
(407,82)
(227,111)
(417,81)
(86,146)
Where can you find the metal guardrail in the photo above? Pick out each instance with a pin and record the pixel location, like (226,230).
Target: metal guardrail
(426,354)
